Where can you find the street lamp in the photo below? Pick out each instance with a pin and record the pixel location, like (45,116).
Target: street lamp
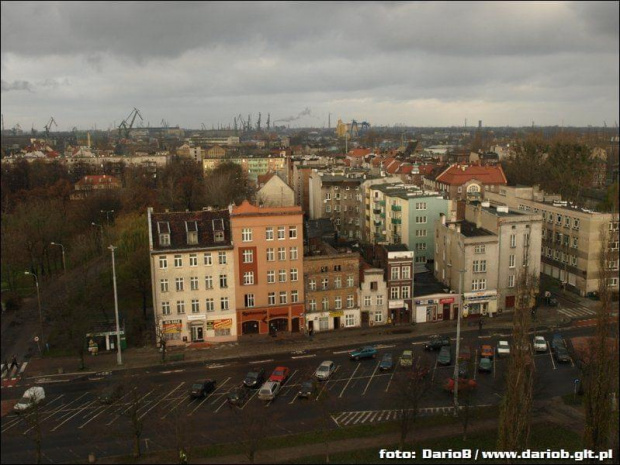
(458,343)
(101,228)
(107,214)
(119,358)
(36,280)
(64,265)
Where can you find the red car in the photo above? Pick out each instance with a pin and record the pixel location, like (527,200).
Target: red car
(464,384)
(486,351)
(280,374)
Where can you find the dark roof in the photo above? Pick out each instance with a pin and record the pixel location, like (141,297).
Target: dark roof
(427,284)
(469,229)
(320,228)
(396,248)
(179,223)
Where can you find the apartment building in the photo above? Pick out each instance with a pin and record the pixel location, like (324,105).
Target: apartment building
(332,279)
(397,262)
(274,192)
(467,182)
(571,240)
(372,296)
(192,276)
(268,249)
(253,166)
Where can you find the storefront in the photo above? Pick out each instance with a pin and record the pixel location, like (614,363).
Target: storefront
(104,337)
(259,321)
(479,304)
(437,307)
(337,319)
(398,311)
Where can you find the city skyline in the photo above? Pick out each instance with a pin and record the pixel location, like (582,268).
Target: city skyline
(415,64)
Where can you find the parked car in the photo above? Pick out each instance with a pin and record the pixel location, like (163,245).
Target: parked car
(557,341)
(445,356)
(255,378)
(363,352)
(464,353)
(464,384)
(325,370)
(280,375)
(269,390)
(386,362)
(437,342)
(503,348)
(111,394)
(561,354)
(32,397)
(485,364)
(486,351)
(406,359)
(540,344)
(306,389)
(238,396)
(202,387)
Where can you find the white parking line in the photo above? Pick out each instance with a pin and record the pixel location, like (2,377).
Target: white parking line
(494,366)
(551,355)
(108,406)
(218,409)
(353,374)
(251,397)
(417,343)
(383,346)
(303,356)
(390,381)
(76,413)
(208,397)
(343,351)
(475,363)
(434,371)
(373,374)
(160,400)
(262,361)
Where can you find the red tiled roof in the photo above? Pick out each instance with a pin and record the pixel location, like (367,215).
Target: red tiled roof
(405,169)
(376,161)
(264,178)
(460,174)
(246,208)
(358,153)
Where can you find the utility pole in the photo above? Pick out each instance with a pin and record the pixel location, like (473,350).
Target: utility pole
(64,265)
(119,358)
(36,280)
(458,344)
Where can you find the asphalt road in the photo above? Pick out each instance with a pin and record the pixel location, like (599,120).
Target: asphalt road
(75,424)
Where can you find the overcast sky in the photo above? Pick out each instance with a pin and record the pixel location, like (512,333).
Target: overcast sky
(412,63)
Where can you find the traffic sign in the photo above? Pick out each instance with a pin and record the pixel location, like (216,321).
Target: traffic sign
(36,339)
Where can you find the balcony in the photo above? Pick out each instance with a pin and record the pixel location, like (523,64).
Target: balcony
(396,208)
(382,215)
(376,211)
(380,202)
(396,221)
(377,222)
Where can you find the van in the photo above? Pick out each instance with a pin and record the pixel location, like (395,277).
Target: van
(33,396)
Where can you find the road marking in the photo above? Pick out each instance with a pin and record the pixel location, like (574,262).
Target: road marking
(160,400)
(383,346)
(373,374)
(108,406)
(262,361)
(218,409)
(171,371)
(76,413)
(475,363)
(215,365)
(209,396)
(21,370)
(390,381)
(494,358)
(304,356)
(251,397)
(434,371)
(345,386)
(417,343)
(343,351)
(551,355)
(327,382)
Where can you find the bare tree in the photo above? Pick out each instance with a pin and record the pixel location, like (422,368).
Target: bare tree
(161,339)
(136,420)
(250,429)
(32,418)
(325,405)
(466,398)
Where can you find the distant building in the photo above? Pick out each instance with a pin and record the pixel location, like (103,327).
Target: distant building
(397,262)
(467,182)
(274,192)
(88,184)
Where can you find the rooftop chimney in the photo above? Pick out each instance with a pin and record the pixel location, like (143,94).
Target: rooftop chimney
(478,213)
(443,219)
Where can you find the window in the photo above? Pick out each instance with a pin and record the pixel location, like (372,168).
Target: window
(210,305)
(378,317)
(337,267)
(420,246)
(180,307)
(223,303)
(338,303)
(395,273)
(248,278)
(208,260)
(567,222)
(324,269)
(394,293)
(269,234)
(612,282)
(164,240)
(575,242)
(480,266)
(249,300)
(349,320)
(165,308)
(294,274)
(281,253)
(480,248)
(573,260)
(221,258)
(195,306)
(292,232)
(374,285)
(312,305)
(420,206)
(324,283)
(406,272)
(193,283)
(294,297)
(350,281)
(282,276)
(163,262)
(513,240)
(406,292)
(511,261)
(511,281)
(420,219)
(163,283)
(325,304)
(248,256)
(223,281)
(526,239)
(328,196)
(312,284)
(283,298)
(271,298)
(337,282)
(328,209)
(178,261)
(367,301)
(380,299)
(293,253)
(271,276)
(281,233)
(246,235)
(208,282)
(193,259)
(478,284)
(218,236)
(179,284)
(420,233)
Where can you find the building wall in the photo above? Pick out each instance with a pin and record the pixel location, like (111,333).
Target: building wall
(276,193)
(377,310)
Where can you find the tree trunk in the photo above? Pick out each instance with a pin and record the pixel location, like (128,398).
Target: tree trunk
(136,446)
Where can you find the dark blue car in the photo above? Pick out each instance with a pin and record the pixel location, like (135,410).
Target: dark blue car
(363,352)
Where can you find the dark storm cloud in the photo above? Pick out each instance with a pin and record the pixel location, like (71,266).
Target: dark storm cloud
(16,85)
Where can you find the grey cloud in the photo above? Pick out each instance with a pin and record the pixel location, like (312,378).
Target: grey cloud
(16,86)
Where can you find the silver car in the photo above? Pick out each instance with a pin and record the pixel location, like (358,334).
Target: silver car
(269,390)
(325,370)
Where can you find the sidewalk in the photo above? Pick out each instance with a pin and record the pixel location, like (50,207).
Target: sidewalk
(285,343)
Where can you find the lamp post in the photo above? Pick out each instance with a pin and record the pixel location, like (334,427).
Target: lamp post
(101,230)
(458,343)
(64,265)
(107,214)
(119,358)
(36,280)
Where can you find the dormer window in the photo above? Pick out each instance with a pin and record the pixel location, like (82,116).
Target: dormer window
(218,236)
(163,229)
(218,229)
(191,228)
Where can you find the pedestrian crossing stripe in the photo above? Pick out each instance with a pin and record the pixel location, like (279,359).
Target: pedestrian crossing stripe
(577,312)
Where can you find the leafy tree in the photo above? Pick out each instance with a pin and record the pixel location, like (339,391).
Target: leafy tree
(227,184)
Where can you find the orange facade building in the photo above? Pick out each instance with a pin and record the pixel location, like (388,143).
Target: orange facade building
(268,249)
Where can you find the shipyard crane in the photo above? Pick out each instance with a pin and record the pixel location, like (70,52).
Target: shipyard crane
(241,121)
(17,129)
(249,123)
(204,128)
(258,122)
(48,126)
(125,126)
(268,120)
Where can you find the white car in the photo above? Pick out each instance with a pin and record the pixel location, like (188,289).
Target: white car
(33,396)
(269,390)
(325,370)
(503,348)
(540,344)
